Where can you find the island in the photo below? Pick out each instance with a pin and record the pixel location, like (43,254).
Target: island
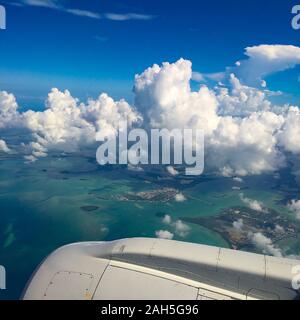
(236,223)
(157,195)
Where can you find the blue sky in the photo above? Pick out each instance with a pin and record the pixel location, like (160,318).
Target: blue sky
(104,46)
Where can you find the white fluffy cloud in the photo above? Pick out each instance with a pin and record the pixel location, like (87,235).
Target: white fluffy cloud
(265,244)
(264,60)
(179,197)
(164,96)
(180,228)
(8,110)
(167,219)
(289,135)
(294,206)
(243,146)
(241,100)
(245,134)
(66,125)
(4,147)
(253,204)
(241,129)
(164,234)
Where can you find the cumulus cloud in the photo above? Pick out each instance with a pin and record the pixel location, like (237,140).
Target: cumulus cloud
(241,100)
(164,234)
(264,60)
(167,219)
(245,134)
(265,244)
(261,61)
(179,197)
(253,204)
(245,146)
(8,110)
(30,159)
(294,206)
(3,146)
(180,228)
(239,125)
(66,124)
(164,96)
(289,135)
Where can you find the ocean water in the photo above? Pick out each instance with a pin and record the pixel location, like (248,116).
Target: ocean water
(63,199)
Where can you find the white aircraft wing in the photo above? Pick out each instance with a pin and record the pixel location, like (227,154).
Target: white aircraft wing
(155,269)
